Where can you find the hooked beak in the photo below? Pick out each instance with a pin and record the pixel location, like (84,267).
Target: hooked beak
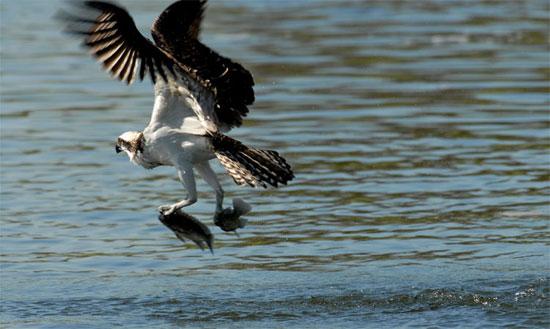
(118,149)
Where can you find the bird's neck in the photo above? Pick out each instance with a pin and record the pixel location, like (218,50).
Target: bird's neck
(141,160)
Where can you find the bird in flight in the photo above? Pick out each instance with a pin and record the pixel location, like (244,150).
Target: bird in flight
(199,96)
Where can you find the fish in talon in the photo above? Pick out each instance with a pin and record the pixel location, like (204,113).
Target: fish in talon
(188,227)
(228,222)
(241,207)
(229,219)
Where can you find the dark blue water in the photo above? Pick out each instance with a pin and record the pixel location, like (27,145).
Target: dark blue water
(419,136)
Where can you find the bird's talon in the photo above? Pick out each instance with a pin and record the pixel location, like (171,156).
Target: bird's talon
(166,210)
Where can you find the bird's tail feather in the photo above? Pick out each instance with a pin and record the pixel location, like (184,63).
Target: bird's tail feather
(247,165)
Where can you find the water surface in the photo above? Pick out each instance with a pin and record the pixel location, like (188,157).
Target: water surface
(419,136)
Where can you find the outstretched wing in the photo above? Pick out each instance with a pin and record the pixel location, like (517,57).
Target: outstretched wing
(204,88)
(176,31)
(114,40)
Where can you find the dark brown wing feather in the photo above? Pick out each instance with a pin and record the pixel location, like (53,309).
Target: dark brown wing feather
(113,38)
(176,31)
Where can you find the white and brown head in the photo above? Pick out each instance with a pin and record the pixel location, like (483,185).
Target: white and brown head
(130,142)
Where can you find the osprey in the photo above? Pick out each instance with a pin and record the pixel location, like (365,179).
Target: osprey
(199,96)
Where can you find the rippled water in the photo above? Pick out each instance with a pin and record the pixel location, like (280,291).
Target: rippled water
(418,131)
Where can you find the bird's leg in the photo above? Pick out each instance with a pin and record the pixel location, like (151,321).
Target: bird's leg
(187,178)
(211,179)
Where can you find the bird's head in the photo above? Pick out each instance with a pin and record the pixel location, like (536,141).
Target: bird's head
(130,142)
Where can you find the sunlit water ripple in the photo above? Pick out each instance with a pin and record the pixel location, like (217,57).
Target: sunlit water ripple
(419,136)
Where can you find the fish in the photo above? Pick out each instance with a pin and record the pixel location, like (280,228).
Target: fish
(188,227)
(229,219)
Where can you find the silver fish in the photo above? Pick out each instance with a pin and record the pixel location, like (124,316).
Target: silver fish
(186,226)
(229,220)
